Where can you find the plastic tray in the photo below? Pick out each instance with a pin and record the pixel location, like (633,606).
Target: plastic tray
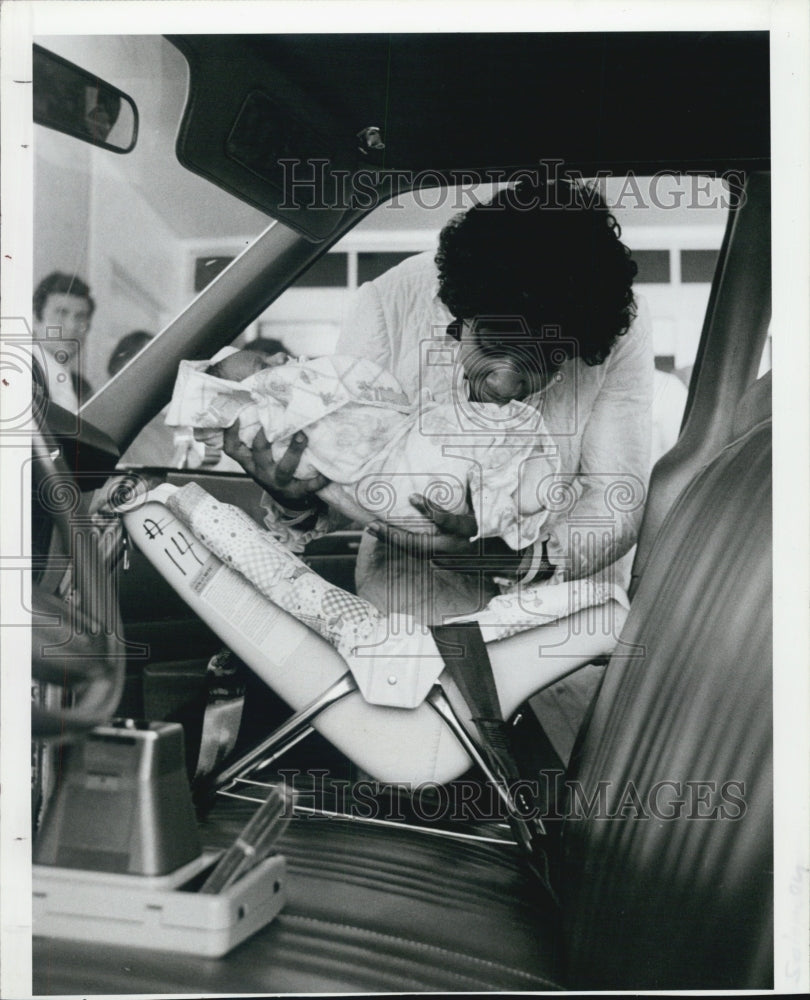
(164,913)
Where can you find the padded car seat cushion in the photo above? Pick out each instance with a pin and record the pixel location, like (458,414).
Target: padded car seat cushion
(675,891)
(369,909)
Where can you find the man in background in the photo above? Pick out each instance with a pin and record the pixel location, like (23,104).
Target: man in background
(63,310)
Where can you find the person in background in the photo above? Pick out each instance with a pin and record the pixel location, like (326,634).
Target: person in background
(62,311)
(126,349)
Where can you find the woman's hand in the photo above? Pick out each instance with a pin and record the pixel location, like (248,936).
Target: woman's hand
(451,548)
(275,477)
(455,530)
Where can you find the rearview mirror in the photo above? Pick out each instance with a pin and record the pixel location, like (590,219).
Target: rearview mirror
(71,100)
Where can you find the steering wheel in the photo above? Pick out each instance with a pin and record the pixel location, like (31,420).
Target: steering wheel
(76,640)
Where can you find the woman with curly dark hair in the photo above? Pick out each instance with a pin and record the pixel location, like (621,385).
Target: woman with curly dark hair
(529,297)
(560,266)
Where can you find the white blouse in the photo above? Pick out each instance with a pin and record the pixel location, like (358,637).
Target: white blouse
(599,416)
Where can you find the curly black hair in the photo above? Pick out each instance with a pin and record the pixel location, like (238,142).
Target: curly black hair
(57,283)
(550,254)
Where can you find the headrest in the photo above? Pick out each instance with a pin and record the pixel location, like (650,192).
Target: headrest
(753,407)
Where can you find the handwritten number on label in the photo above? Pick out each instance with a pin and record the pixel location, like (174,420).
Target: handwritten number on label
(189,547)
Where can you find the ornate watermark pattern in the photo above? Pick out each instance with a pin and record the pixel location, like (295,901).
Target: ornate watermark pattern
(95,553)
(44,365)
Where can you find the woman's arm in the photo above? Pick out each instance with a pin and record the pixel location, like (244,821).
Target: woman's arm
(594,516)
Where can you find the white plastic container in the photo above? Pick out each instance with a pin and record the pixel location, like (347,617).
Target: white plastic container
(154,911)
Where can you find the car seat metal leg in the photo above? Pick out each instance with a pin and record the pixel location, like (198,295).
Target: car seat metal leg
(439,701)
(296,728)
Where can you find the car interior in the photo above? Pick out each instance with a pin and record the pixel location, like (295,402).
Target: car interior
(321,155)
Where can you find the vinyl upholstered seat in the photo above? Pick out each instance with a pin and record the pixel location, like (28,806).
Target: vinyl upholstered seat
(658,896)
(368,910)
(676,891)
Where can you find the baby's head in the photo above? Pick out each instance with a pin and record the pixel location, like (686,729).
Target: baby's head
(242,364)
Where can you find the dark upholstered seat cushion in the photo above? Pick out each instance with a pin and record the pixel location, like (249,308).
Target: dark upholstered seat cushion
(369,909)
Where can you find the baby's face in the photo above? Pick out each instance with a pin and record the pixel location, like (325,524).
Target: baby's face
(243,364)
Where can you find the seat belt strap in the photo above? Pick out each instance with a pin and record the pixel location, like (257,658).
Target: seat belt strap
(464,652)
(465,655)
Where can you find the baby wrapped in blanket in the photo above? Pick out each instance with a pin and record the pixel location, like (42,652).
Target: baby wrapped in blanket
(375,446)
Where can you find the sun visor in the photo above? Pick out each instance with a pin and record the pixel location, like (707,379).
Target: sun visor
(255,133)
(308,127)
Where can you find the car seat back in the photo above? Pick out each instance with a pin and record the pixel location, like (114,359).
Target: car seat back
(668,841)
(734,334)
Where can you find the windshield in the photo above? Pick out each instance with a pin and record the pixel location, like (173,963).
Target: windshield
(134,236)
